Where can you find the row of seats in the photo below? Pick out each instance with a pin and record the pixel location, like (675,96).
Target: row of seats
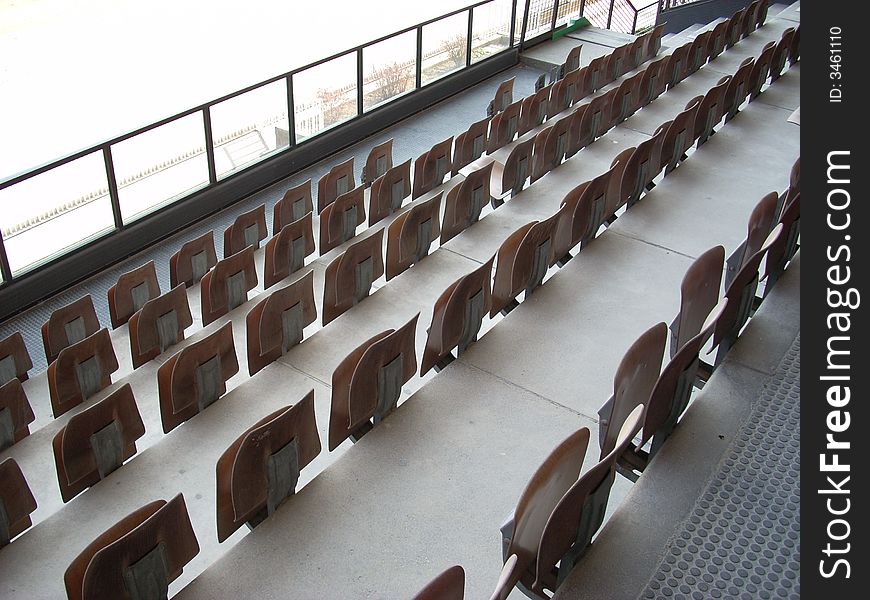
(542,544)
(157,322)
(377,400)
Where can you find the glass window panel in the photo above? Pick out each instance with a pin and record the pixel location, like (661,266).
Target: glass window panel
(55,211)
(540,18)
(596,11)
(568,9)
(445,46)
(490,29)
(389,69)
(324,96)
(250,127)
(160,166)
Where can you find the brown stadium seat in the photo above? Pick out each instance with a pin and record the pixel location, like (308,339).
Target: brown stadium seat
(96,441)
(627,99)
(741,298)
(710,111)
(366,385)
(523,260)
(14,359)
(738,89)
(636,55)
(340,180)
(512,176)
(192,261)
(572,61)
(389,191)
(378,162)
(533,110)
(503,127)
(138,557)
(780,54)
(195,377)
(636,168)
(68,325)
(261,468)
(227,285)
(469,145)
(596,73)
(550,148)
(349,277)
(457,316)
(699,293)
(465,201)
(760,70)
(585,209)
(633,383)
(131,292)
(249,229)
(276,323)
(159,325)
(761,222)
(16,414)
(654,81)
(431,167)
(717,40)
(617,63)
(449,585)
(503,97)
(286,251)
(734,31)
(596,119)
(16,502)
(411,234)
(669,398)
(679,136)
(340,219)
(80,371)
(677,67)
(699,51)
(785,247)
(558,513)
(295,204)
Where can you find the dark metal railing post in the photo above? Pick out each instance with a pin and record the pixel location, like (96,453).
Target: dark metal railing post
(513,29)
(610,14)
(555,14)
(468,37)
(582,7)
(5,271)
(419,57)
(525,26)
(291,111)
(209,145)
(359,81)
(113,187)
(634,22)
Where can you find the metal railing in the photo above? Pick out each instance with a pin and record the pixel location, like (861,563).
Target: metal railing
(54,210)
(669,4)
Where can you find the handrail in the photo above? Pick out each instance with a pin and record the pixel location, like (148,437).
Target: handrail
(539,18)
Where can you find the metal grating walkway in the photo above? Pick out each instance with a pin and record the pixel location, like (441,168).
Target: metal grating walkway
(742,538)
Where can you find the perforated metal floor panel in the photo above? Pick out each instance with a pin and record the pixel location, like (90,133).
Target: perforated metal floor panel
(742,539)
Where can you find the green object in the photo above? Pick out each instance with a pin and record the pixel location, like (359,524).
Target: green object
(572,26)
